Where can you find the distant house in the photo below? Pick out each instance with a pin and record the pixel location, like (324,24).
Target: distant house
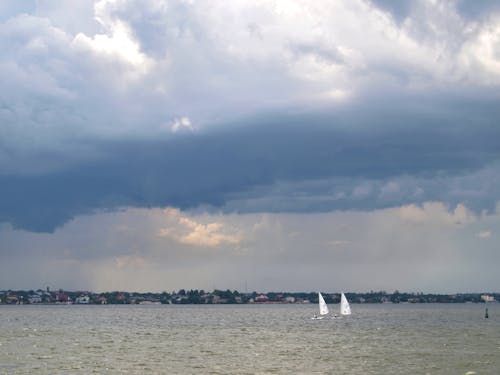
(11,298)
(35,298)
(82,300)
(180,299)
(206,298)
(47,298)
(218,299)
(262,298)
(487,298)
(102,300)
(63,298)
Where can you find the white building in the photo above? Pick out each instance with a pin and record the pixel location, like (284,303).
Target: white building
(487,298)
(35,298)
(83,300)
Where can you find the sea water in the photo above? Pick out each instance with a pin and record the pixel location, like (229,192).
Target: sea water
(249,339)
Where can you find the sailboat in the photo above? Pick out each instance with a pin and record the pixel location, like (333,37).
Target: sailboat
(345,309)
(323,308)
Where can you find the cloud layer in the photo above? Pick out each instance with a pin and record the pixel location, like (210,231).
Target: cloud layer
(126,71)
(431,247)
(301,166)
(290,109)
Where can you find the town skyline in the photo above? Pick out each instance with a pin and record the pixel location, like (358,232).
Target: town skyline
(182,296)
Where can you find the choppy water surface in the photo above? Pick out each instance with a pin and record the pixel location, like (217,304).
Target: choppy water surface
(245,339)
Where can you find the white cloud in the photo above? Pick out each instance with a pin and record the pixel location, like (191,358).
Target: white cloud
(118,45)
(436,213)
(181,123)
(339,243)
(483,234)
(122,68)
(480,54)
(391,188)
(204,57)
(187,231)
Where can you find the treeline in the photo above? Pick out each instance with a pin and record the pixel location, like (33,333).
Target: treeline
(195,296)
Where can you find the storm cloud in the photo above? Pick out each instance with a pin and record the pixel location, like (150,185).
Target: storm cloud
(316,164)
(244,108)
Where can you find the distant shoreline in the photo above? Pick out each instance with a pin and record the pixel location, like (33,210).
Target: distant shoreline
(192,297)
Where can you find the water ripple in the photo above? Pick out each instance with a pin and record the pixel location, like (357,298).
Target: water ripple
(272,339)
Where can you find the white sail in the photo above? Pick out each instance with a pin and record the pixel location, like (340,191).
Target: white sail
(323,308)
(345,309)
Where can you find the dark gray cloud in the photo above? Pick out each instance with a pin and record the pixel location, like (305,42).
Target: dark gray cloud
(399,9)
(362,159)
(477,10)
(469,10)
(338,109)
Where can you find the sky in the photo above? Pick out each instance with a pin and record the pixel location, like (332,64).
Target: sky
(250,145)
